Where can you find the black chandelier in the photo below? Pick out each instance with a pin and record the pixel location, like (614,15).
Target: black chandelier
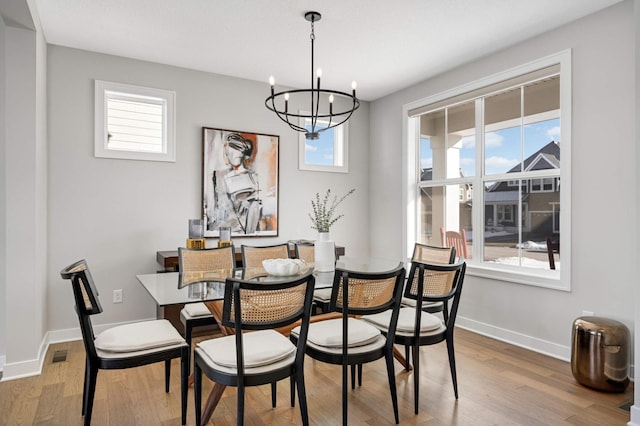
(279,102)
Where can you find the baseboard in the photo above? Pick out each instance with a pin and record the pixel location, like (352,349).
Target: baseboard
(518,339)
(635,416)
(33,367)
(544,347)
(3,360)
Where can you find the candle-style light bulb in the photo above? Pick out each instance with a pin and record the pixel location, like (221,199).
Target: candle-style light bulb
(331,98)
(319,72)
(272,80)
(286,103)
(353,87)
(331,104)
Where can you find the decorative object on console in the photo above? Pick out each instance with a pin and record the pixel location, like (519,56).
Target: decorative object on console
(225,237)
(315,97)
(323,217)
(240,183)
(196,232)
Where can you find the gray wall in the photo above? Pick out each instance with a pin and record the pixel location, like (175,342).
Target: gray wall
(3,218)
(118,213)
(603,209)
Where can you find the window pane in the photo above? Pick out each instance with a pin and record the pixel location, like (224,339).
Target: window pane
(520,239)
(503,132)
(432,134)
(134,124)
(461,125)
(320,151)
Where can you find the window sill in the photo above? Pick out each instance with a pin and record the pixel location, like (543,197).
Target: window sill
(516,275)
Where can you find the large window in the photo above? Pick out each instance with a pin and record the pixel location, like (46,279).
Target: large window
(503,135)
(134,123)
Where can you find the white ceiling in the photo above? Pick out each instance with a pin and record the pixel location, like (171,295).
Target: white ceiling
(384,45)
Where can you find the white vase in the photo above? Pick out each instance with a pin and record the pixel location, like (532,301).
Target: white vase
(325,253)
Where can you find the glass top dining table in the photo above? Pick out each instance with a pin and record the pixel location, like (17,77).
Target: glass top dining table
(166,288)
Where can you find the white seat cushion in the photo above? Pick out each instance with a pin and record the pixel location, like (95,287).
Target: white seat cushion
(322,295)
(413,302)
(138,336)
(329,333)
(196,310)
(260,348)
(406,321)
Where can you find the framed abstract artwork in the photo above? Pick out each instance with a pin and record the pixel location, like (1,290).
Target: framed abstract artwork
(239,183)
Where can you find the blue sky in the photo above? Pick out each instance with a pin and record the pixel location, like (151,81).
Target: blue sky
(320,151)
(502,150)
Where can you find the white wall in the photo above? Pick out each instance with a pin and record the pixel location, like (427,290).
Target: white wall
(635,409)
(3,218)
(25,197)
(603,215)
(118,213)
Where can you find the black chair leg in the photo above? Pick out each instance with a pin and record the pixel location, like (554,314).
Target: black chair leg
(407,366)
(273,394)
(84,386)
(302,396)
(292,386)
(91,391)
(167,374)
(240,404)
(353,376)
(197,391)
(452,364)
(344,392)
(188,330)
(184,382)
(392,384)
(416,377)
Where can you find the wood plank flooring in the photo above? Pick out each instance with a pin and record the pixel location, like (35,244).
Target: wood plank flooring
(499,384)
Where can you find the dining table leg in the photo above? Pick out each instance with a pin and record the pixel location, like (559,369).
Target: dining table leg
(212,402)
(401,359)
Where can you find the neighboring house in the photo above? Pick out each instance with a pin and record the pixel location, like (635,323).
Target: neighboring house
(540,197)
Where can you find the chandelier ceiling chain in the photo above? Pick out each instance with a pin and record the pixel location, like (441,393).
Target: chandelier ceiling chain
(318,97)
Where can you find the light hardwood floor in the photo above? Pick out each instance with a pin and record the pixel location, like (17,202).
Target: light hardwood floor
(499,384)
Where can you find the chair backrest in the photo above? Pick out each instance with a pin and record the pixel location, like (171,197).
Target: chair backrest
(306,252)
(369,293)
(268,305)
(433,254)
(204,265)
(86,298)
(457,240)
(253,256)
(552,247)
(436,283)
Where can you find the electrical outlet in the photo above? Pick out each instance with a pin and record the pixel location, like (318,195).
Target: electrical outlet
(117,296)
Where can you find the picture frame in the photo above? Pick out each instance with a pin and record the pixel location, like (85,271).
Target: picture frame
(240,182)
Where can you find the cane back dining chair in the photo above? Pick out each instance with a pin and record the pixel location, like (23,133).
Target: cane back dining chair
(349,341)
(198,267)
(415,328)
(125,346)
(306,252)
(264,355)
(252,256)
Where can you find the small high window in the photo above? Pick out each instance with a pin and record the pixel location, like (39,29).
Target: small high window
(330,153)
(135,123)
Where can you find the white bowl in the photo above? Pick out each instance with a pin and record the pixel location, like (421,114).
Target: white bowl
(283,267)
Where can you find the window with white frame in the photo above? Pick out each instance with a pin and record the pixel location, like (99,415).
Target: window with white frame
(329,153)
(504,135)
(133,122)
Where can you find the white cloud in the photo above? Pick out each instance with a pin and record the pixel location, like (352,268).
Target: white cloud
(311,148)
(468,142)
(500,163)
(554,133)
(493,140)
(467,161)
(426,163)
